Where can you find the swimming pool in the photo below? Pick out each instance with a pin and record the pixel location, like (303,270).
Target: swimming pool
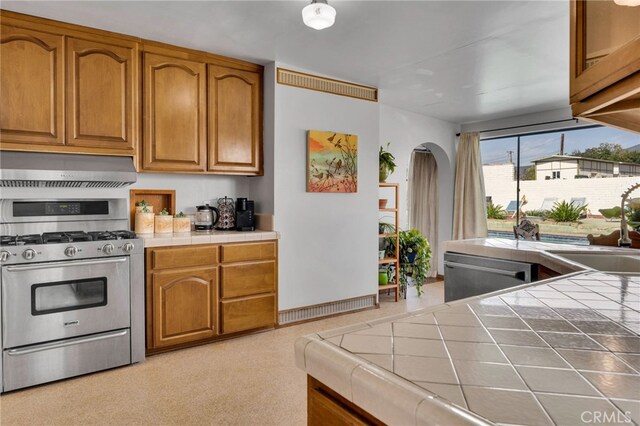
(547,238)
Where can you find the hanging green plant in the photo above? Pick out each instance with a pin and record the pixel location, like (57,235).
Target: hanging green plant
(386,162)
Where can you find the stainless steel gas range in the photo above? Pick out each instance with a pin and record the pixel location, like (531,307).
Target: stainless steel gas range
(72,289)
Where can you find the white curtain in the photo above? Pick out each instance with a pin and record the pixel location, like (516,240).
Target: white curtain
(423,201)
(469,210)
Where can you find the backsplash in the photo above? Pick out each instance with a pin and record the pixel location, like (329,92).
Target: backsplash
(191,190)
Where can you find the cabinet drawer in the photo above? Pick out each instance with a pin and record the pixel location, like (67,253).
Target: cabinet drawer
(245,314)
(251,251)
(180,257)
(248,278)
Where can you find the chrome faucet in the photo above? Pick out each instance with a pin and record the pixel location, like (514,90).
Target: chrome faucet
(624,240)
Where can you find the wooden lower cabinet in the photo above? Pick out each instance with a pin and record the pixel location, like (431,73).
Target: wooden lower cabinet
(195,294)
(327,407)
(184,305)
(248,313)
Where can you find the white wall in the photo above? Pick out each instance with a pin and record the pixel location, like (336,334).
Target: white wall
(407,130)
(601,193)
(328,245)
(191,190)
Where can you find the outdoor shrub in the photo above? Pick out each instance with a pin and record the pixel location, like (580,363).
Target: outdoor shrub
(495,211)
(634,215)
(538,213)
(566,212)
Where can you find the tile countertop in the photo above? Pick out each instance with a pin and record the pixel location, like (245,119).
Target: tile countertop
(213,237)
(546,254)
(560,351)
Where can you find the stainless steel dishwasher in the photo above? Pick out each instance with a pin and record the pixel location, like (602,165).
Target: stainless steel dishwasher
(466,275)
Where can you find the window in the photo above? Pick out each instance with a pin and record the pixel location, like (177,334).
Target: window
(583,167)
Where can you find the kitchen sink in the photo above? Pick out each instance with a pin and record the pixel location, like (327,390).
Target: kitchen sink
(606,261)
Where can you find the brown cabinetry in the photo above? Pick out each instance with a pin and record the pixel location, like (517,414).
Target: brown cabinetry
(101,98)
(248,282)
(66,90)
(174,109)
(234,120)
(183,306)
(605,63)
(193,299)
(32,92)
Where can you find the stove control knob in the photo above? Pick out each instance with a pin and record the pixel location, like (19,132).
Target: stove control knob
(107,248)
(71,251)
(128,247)
(29,254)
(4,255)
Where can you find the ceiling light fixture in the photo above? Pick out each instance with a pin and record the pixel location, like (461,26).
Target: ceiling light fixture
(627,2)
(318,15)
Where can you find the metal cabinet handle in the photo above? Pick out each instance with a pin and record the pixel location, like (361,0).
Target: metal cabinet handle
(64,264)
(55,345)
(513,274)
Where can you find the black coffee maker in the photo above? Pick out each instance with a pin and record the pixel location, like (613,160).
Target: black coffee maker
(245,215)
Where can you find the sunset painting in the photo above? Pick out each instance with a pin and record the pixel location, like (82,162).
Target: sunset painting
(332,162)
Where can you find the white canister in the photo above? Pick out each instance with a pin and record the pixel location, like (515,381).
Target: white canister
(144,223)
(164,224)
(181,224)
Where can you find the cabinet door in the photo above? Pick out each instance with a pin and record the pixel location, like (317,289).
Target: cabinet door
(31,101)
(235,135)
(101,89)
(184,306)
(605,41)
(174,114)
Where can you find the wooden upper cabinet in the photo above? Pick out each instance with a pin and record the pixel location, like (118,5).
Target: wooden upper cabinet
(605,45)
(32,90)
(174,114)
(102,84)
(235,123)
(605,63)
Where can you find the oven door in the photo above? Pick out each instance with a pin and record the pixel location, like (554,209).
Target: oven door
(56,300)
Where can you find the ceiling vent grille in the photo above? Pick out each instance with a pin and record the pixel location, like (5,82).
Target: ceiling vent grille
(327,85)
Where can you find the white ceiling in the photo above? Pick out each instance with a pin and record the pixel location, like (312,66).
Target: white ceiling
(460,61)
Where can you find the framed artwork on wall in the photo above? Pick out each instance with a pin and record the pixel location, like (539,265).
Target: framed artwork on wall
(332,162)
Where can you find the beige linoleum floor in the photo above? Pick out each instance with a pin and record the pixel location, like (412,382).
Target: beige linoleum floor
(250,380)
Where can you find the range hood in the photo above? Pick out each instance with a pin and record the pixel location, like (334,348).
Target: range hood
(44,170)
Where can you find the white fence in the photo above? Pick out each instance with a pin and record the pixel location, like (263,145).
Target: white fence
(601,193)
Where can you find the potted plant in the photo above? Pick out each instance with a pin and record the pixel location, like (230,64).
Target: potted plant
(164,222)
(387,163)
(142,204)
(415,259)
(181,223)
(144,220)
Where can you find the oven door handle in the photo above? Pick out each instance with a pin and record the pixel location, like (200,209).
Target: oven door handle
(55,345)
(65,264)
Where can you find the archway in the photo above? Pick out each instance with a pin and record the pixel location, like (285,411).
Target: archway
(443,199)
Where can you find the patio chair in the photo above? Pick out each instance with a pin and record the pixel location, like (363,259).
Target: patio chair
(547,203)
(579,202)
(527,231)
(512,208)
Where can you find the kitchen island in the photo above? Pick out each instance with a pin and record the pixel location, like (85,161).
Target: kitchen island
(560,351)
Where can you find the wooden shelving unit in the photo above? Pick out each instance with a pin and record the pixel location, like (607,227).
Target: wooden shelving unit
(384,192)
